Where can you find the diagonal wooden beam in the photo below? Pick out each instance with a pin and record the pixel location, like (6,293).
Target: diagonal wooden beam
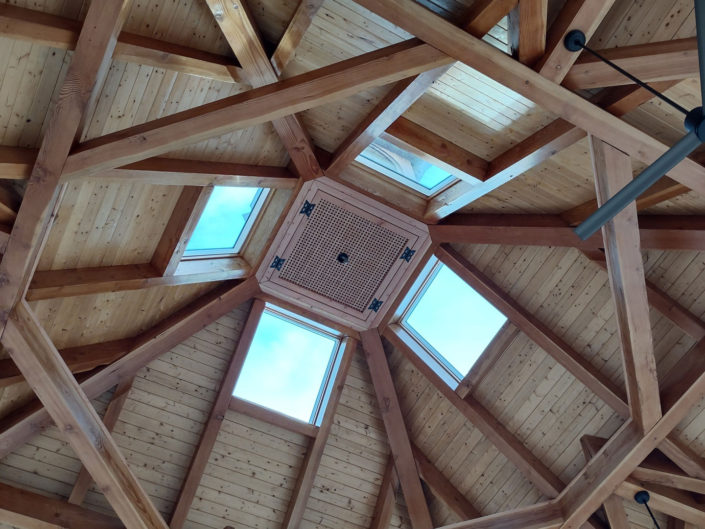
(671,502)
(256,106)
(74,415)
(236,22)
(309,467)
(490,61)
(485,14)
(625,268)
(147,346)
(59,32)
(382,514)
(399,443)
(92,57)
(527,30)
(654,61)
(215,419)
(660,470)
(294,33)
(546,515)
(110,418)
(28,509)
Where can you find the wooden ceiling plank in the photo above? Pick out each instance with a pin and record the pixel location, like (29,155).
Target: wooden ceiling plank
(528,24)
(397,434)
(74,415)
(240,31)
(539,333)
(92,57)
(59,32)
(546,515)
(147,346)
(211,428)
(186,214)
(490,61)
(382,515)
(585,15)
(272,417)
(110,418)
(309,467)
(671,502)
(527,463)
(625,268)
(294,33)
(44,512)
(257,106)
(442,487)
(654,61)
(49,284)
(535,149)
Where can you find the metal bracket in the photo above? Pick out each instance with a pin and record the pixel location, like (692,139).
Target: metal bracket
(375,305)
(277,263)
(307,208)
(407,254)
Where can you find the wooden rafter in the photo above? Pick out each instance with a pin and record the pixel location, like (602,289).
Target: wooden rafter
(294,33)
(272,417)
(74,415)
(215,419)
(625,268)
(399,443)
(148,346)
(527,30)
(546,515)
(236,22)
(314,454)
(669,501)
(382,514)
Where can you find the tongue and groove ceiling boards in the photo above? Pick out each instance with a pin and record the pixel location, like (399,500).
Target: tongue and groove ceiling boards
(121,350)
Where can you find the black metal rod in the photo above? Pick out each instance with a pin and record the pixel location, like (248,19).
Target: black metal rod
(652,516)
(700,33)
(635,80)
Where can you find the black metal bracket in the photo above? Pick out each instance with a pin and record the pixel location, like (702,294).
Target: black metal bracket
(277,263)
(375,305)
(307,208)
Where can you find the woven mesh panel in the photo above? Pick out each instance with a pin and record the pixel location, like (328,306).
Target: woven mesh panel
(330,230)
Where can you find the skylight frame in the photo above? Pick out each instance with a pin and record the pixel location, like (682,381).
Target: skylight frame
(260,200)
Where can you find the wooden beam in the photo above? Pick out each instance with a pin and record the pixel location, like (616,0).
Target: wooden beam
(546,515)
(528,23)
(539,333)
(442,488)
(584,15)
(393,419)
(671,502)
(49,284)
(659,470)
(74,415)
(110,418)
(147,346)
(382,514)
(662,232)
(527,463)
(16,162)
(209,434)
(674,523)
(462,46)
(485,14)
(655,61)
(92,56)
(272,417)
(184,217)
(312,460)
(625,268)
(256,106)
(38,511)
(294,33)
(240,31)
(62,33)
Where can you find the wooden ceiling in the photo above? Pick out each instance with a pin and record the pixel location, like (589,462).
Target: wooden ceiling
(118,117)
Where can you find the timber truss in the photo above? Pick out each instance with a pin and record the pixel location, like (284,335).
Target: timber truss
(642,454)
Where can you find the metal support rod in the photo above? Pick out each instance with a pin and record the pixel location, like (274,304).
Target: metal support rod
(652,516)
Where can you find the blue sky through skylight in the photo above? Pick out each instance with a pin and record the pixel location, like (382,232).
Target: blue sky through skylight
(455,320)
(285,367)
(223,218)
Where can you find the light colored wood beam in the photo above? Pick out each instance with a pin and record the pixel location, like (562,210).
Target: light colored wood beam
(240,31)
(91,57)
(147,346)
(671,502)
(528,23)
(277,419)
(110,418)
(625,268)
(59,32)
(485,14)
(209,434)
(654,61)
(312,460)
(661,471)
(49,284)
(382,514)
(74,415)
(393,419)
(256,106)
(462,46)
(546,515)
(294,33)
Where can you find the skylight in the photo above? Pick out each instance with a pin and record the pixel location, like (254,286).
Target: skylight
(404,167)
(451,321)
(226,220)
(289,367)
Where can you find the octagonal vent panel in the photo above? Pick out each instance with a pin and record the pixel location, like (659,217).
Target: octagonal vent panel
(342,254)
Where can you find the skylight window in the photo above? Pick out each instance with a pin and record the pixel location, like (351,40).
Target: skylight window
(226,220)
(452,323)
(290,366)
(405,167)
